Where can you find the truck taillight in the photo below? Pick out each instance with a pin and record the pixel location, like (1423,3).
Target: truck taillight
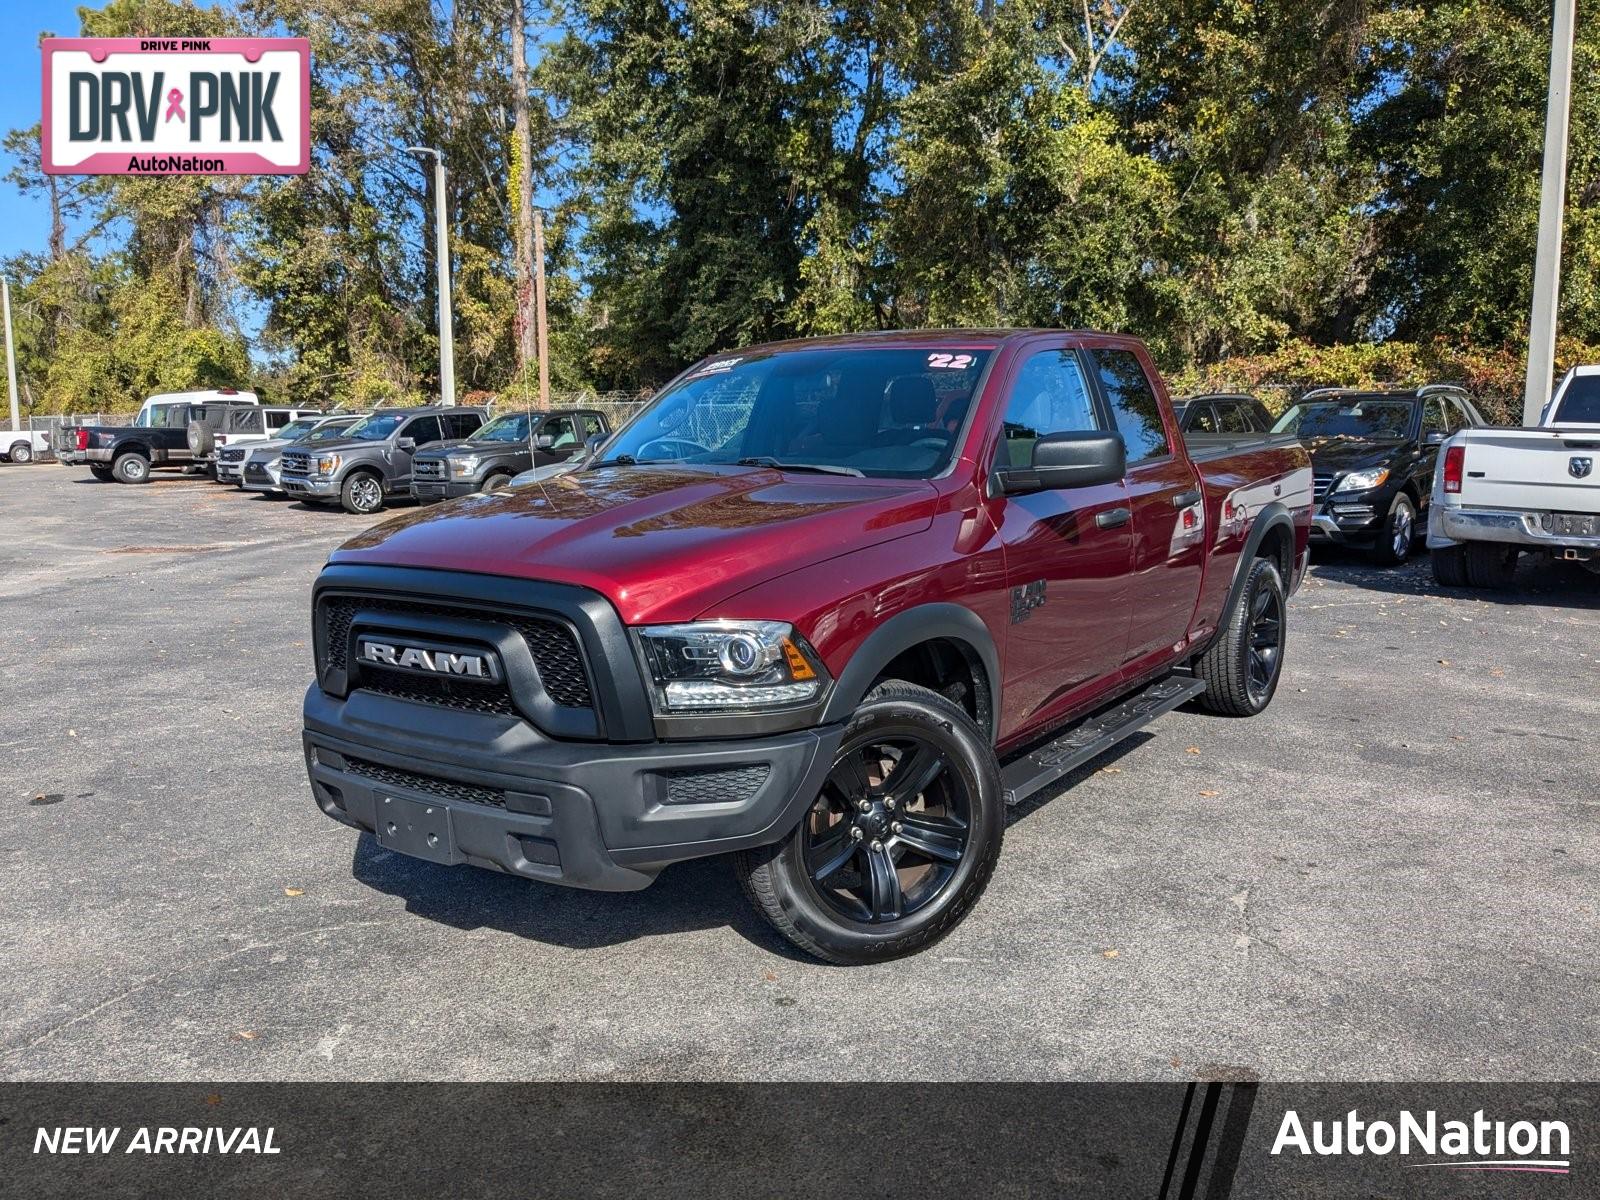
(83,439)
(1455,458)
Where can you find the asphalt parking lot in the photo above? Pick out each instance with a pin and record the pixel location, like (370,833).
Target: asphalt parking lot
(1393,874)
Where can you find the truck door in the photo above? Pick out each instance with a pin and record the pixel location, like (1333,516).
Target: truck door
(421,431)
(1066,553)
(1168,513)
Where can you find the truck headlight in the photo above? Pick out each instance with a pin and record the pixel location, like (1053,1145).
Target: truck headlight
(730,666)
(1363,481)
(464,466)
(327,464)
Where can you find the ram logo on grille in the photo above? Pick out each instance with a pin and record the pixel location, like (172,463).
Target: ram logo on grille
(454,662)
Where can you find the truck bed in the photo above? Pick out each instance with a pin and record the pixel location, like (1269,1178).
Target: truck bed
(1204,447)
(1533,470)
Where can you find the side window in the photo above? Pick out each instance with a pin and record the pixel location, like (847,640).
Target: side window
(1133,404)
(1456,414)
(563,430)
(1204,419)
(591,426)
(423,429)
(1433,415)
(462,424)
(1048,396)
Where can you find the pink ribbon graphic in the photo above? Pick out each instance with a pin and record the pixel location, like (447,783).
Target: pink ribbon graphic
(175,106)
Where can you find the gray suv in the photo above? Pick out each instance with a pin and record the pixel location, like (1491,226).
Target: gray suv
(373,460)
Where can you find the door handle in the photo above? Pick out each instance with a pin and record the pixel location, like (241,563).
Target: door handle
(1111,518)
(1184,499)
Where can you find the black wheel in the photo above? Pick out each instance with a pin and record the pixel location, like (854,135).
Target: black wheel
(103,474)
(495,482)
(1244,662)
(900,843)
(1399,533)
(1450,566)
(131,468)
(22,452)
(362,493)
(1491,565)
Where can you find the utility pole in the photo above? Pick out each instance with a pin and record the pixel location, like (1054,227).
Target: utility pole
(538,302)
(523,218)
(1552,197)
(11,355)
(441,254)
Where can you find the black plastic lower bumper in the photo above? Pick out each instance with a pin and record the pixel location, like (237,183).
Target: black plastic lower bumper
(490,791)
(443,489)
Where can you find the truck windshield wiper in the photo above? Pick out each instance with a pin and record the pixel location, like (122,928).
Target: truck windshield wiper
(626,460)
(766,460)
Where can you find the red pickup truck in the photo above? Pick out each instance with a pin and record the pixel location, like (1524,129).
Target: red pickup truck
(827,605)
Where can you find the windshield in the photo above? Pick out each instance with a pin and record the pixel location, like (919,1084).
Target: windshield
(296,430)
(1581,403)
(378,426)
(1371,420)
(513,427)
(332,429)
(878,411)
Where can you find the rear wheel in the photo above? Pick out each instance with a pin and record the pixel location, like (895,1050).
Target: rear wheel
(22,452)
(131,468)
(901,841)
(1491,565)
(1450,566)
(1399,532)
(1244,662)
(362,493)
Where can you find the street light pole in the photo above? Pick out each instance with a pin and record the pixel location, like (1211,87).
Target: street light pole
(441,254)
(1552,196)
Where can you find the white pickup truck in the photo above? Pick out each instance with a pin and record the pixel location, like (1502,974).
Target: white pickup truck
(1500,492)
(23,445)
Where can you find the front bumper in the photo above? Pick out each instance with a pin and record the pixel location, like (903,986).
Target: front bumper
(309,487)
(491,791)
(258,478)
(1449,526)
(229,472)
(429,490)
(1352,520)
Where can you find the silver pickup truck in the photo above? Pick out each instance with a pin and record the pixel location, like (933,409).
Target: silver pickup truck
(1500,493)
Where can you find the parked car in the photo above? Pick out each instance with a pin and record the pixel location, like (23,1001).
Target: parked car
(511,443)
(1223,412)
(155,413)
(1374,454)
(263,461)
(128,453)
(790,613)
(1504,492)
(373,460)
(23,445)
(212,431)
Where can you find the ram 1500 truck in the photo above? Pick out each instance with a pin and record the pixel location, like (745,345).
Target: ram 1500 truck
(827,605)
(1506,492)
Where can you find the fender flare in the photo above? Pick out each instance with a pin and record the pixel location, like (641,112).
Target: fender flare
(131,445)
(1272,516)
(924,623)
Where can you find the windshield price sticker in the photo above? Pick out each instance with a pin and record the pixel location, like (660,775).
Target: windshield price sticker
(176,106)
(949,362)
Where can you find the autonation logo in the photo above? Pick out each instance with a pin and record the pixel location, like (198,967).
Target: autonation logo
(1476,1145)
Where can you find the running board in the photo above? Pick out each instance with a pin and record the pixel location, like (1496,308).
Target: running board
(1041,767)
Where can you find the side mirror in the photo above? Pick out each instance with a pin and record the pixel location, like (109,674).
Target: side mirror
(593,443)
(405,443)
(545,440)
(1433,437)
(1069,460)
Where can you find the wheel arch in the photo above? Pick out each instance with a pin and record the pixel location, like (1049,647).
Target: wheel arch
(1272,535)
(924,625)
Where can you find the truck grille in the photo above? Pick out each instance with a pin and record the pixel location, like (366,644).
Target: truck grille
(555,653)
(232,454)
(297,461)
(428,469)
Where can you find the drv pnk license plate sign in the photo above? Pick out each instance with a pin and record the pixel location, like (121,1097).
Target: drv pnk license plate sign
(176,106)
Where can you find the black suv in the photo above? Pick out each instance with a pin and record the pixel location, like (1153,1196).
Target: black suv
(1372,459)
(372,461)
(503,448)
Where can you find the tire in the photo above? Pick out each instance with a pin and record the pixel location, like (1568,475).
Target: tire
(131,467)
(1399,533)
(1241,677)
(958,810)
(362,493)
(201,437)
(22,453)
(1491,565)
(498,480)
(1450,567)
(103,474)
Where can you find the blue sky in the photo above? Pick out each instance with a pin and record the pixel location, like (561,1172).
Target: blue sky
(24,221)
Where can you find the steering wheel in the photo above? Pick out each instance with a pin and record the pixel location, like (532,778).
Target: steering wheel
(937,441)
(686,448)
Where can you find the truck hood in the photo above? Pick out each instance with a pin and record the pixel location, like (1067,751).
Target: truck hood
(344,445)
(439,449)
(1335,456)
(662,543)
